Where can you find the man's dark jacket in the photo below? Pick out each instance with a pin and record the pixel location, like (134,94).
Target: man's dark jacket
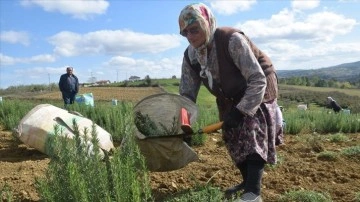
(65,86)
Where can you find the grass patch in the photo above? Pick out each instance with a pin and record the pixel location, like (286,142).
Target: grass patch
(339,137)
(200,193)
(315,143)
(351,151)
(280,160)
(327,156)
(357,197)
(6,194)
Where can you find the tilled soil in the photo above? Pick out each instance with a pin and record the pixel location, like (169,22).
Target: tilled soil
(299,168)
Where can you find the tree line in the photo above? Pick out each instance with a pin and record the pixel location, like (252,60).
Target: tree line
(316,81)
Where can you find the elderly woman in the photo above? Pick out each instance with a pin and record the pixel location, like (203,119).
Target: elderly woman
(243,80)
(333,104)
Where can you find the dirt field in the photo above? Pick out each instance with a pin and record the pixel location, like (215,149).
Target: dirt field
(108,93)
(299,169)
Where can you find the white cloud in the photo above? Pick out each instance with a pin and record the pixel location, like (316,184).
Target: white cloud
(327,25)
(302,40)
(54,70)
(81,9)
(163,68)
(230,7)
(41,58)
(322,26)
(304,5)
(100,73)
(111,42)
(15,37)
(127,62)
(37,75)
(36,72)
(295,56)
(119,61)
(8,60)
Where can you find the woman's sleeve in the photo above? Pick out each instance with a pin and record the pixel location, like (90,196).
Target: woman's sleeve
(189,82)
(250,68)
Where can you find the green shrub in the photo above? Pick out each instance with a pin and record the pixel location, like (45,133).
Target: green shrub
(12,111)
(207,116)
(351,151)
(296,122)
(6,194)
(78,171)
(339,137)
(280,160)
(315,143)
(327,156)
(115,119)
(320,121)
(357,197)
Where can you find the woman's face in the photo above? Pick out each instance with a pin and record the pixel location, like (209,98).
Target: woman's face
(194,34)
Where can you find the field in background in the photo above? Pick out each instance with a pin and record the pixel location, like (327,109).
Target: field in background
(132,94)
(351,92)
(307,162)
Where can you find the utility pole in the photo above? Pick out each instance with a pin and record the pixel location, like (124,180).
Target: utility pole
(49,82)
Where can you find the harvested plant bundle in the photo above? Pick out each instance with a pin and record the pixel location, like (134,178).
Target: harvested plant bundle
(149,128)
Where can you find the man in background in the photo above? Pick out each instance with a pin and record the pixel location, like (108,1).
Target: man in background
(69,86)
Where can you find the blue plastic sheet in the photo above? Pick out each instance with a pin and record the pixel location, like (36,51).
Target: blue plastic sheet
(86,98)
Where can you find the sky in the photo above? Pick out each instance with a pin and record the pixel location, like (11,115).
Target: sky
(115,39)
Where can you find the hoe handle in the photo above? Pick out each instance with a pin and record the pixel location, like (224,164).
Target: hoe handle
(211,128)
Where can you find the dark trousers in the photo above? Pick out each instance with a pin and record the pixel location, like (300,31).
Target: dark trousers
(68,97)
(251,170)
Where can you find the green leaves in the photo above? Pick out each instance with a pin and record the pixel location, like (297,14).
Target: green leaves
(149,128)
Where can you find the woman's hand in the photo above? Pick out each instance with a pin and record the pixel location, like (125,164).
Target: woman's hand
(233,119)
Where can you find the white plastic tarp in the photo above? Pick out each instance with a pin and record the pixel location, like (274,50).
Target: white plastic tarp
(35,127)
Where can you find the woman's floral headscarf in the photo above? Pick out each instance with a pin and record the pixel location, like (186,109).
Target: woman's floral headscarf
(199,12)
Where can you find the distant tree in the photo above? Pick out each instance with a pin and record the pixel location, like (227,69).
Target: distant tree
(317,82)
(126,83)
(345,85)
(331,83)
(298,81)
(321,83)
(357,83)
(173,77)
(314,80)
(147,80)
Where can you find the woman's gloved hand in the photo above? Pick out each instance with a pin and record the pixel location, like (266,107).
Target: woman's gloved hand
(233,119)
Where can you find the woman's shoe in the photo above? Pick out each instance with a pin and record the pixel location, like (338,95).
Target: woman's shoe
(249,197)
(233,190)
